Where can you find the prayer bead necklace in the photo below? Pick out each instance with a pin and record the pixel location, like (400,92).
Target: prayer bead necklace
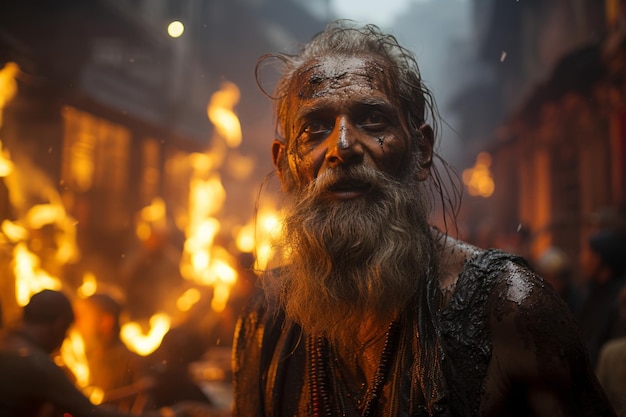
(319,382)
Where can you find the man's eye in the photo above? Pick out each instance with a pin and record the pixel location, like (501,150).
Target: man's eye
(373,121)
(315,128)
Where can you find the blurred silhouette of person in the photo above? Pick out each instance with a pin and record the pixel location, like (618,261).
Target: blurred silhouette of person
(611,369)
(31,384)
(111,364)
(554,266)
(173,381)
(603,262)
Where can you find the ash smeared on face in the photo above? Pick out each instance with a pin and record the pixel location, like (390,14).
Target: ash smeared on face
(329,75)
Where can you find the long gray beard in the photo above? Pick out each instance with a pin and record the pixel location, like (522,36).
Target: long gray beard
(352,261)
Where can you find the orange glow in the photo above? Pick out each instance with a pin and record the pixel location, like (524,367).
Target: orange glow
(221,114)
(268,228)
(224,277)
(82,151)
(8,85)
(479,180)
(202,261)
(73,355)
(145,343)
(259,239)
(155,212)
(8,88)
(188,299)
(152,217)
(89,285)
(65,237)
(6,165)
(29,277)
(14,231)
(245,238)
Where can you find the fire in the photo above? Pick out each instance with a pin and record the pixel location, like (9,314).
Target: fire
(54,214)
(150,217)
(8,85)
(204,262)
(221,114)
(89,285)
(6,165)
(8,88)
(259,237)
(30,278)
(199,262)
(13,231)
(188,299)
(144,343)
(478,179)
(73,355)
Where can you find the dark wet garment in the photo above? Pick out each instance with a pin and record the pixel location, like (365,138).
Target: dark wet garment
(509,347)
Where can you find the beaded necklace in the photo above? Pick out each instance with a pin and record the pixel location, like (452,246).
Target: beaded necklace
(320,383)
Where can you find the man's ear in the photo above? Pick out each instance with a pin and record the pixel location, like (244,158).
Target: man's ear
(425,145)
(278,157)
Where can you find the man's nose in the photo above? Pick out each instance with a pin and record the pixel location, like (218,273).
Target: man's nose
(344,145)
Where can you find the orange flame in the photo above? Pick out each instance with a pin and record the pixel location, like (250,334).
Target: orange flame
(478,179)
(30,278)
(89,285)
(260,236)
(73,354)
(188,299)
(221,114)
(151,217)
(6,165)
(204,262)
(8,85)
(144,343)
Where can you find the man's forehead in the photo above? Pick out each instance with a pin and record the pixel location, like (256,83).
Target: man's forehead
(339,64)
(334,71)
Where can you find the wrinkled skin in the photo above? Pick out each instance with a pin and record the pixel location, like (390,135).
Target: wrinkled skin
(513,343)
(343,116)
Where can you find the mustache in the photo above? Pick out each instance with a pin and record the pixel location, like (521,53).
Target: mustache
(352,177)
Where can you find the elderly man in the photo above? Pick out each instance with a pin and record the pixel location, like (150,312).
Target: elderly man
(368,310)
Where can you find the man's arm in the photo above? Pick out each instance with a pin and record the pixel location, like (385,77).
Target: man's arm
(539,362)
